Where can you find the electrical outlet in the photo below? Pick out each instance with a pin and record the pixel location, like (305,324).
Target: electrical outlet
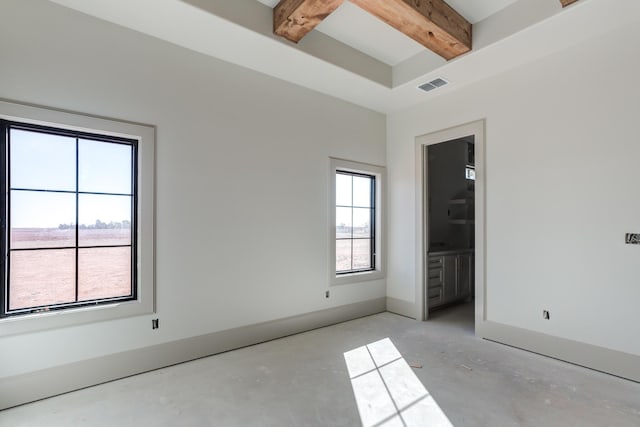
(545,314)
(154,324)
(632,238)
(326,294)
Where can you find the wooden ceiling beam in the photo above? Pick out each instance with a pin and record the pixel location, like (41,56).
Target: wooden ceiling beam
(293,19)
(432,23)
(566,3)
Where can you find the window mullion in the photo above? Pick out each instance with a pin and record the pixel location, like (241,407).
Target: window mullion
(6,219)
(372,224)
(77,214)
(352,222)
(133,236)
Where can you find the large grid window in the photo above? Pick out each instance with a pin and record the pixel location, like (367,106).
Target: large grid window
(355,222)
(69,218)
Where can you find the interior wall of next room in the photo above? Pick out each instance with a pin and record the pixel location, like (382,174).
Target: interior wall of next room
(447,183)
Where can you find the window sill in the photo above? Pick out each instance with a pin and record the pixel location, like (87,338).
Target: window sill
(73,317)
(364,276)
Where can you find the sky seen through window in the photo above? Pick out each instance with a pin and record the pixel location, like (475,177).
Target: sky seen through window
(48,162)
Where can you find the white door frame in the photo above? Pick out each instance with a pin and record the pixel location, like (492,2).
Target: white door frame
(477,129)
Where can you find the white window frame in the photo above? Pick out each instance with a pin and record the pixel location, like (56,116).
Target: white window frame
(378,172)
(145,228)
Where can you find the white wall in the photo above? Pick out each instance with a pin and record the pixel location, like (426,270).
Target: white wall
(562,152)
(242,177)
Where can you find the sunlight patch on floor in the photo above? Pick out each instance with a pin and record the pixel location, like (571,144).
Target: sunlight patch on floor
(387,391)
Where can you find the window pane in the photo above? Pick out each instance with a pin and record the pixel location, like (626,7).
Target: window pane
(362,191)
(42,220)
(104,220)
(104,273)
(104,167)
(361,254)
(343,222)
(343,255)
(343,190)
(42,277)
(361,222)
(42,162)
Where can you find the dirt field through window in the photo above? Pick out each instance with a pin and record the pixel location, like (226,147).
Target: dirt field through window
(47,276)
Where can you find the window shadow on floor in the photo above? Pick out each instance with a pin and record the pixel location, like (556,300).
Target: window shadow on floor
(386,390)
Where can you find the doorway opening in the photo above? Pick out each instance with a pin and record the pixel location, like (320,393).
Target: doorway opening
(451,224)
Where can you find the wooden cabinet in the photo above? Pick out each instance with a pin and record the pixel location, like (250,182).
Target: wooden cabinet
(465,270)
(449,277)
(435,280)
(449,284)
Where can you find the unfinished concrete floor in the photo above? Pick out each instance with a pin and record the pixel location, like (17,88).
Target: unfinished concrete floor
(302,380)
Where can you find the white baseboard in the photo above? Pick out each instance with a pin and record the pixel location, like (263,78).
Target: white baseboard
(25,388)
(601,359)
(49,382)
(401,307)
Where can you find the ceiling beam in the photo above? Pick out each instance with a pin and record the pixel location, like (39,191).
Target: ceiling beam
(566,3)
(293,19)
(432,23)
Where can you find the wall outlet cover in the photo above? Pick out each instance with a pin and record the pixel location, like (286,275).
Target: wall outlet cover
(632,239)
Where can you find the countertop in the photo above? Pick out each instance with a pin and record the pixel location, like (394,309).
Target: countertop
(451,252)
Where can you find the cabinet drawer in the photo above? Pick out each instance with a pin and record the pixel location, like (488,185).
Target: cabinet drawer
(435,296)
(435,292)
(435,276)
(435,261)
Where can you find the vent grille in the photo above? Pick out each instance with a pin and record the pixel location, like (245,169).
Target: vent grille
(433,84)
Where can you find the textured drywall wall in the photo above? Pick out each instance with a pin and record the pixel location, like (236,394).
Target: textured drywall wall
(562,149)
(242,177)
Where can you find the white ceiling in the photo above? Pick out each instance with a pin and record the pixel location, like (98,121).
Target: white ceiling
(344,64)
(473,10)
(477,10)
(364,32)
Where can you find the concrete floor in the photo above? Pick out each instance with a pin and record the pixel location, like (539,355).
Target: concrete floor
(302,380)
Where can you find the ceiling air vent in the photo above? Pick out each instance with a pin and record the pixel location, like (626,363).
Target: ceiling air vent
(433,84)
